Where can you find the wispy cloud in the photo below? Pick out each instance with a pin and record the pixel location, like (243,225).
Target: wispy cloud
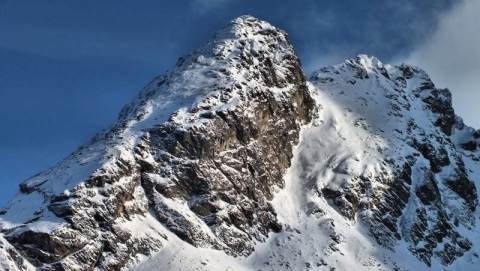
(387,30)
(452,58)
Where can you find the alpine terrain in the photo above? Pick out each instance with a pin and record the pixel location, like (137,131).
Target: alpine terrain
(233,160)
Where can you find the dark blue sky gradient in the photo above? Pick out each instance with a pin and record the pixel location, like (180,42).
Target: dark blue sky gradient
(67,67)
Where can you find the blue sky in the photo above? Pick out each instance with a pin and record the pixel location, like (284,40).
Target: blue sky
(67,69)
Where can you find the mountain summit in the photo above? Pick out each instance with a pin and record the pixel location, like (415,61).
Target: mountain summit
(233,159)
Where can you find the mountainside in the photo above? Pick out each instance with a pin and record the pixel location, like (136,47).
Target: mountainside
(234,161)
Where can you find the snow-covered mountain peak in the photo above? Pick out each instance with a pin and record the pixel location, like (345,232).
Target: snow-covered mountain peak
(233,153)
(368,62)
(245,26)
(402,124)
(234,54)
(199,153)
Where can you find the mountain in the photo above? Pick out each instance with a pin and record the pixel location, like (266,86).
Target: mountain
(233,160)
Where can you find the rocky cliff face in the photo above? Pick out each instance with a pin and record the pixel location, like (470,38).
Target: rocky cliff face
(206,156)
(220,160)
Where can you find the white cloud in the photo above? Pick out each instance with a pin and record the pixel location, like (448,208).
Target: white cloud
(452,59)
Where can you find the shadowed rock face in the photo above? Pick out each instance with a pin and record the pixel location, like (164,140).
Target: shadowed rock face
(206,172)
(240,160)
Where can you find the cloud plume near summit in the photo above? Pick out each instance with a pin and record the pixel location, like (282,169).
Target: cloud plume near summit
(452,58)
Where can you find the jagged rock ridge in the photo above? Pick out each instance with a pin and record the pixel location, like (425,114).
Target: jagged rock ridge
(201,155)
